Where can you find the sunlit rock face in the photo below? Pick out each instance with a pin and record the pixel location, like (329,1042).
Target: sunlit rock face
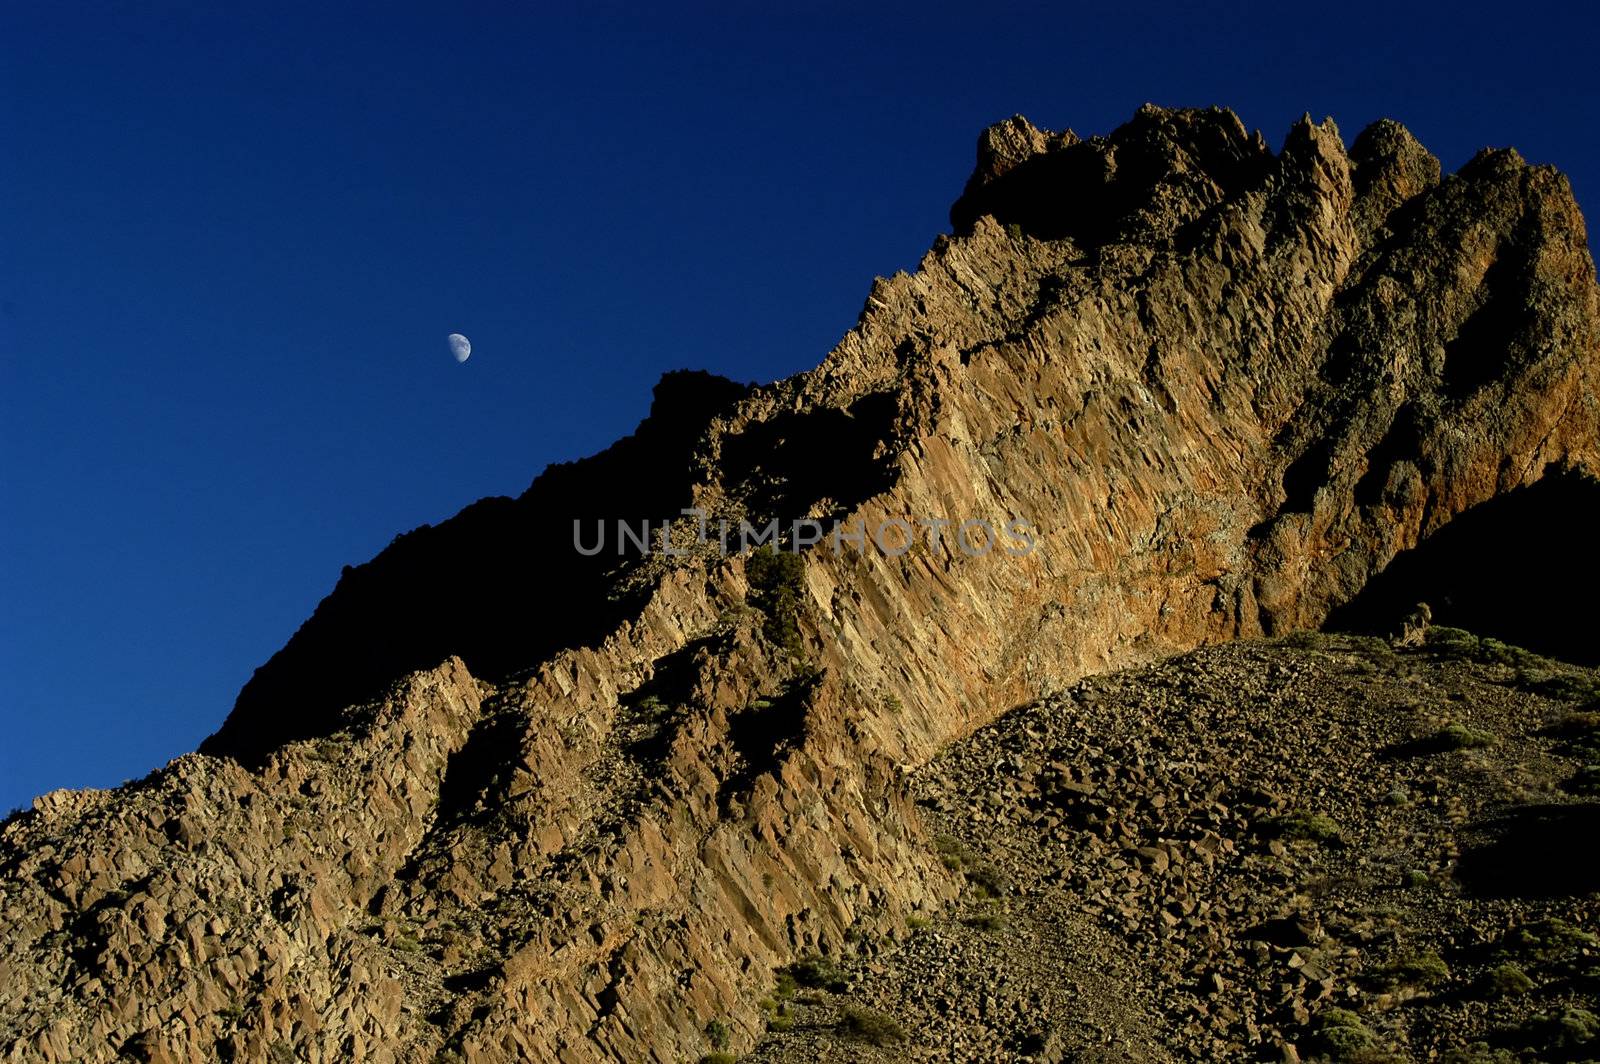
(503,800)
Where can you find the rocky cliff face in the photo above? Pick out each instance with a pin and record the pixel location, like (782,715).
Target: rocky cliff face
(498,800)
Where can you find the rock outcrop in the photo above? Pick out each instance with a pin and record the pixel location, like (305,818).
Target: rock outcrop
(500,799)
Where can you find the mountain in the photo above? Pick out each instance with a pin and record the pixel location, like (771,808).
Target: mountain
(506,796)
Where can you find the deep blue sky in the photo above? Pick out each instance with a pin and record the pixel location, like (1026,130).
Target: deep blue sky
(232,243)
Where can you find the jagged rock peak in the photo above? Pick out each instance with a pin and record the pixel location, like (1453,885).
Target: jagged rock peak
(1391,168)
(1058,185)
(1006,145)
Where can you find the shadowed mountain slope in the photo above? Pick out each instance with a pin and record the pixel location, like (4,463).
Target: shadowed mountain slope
(1516,567)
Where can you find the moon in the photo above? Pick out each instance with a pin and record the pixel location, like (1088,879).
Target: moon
(460,346)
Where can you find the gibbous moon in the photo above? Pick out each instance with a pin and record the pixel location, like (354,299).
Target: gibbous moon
(460,347)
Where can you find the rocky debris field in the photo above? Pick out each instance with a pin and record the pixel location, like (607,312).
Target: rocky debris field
(1320,848)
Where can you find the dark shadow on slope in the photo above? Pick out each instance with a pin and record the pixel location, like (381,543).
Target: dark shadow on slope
(794,460)
(1286,932)
(1307,474)
(763,732)
(1094,191)
(1484,343)
(471,982)
(656,709)
(1401,441)
(500,584)
(1534,851)
(472,770)
(1521,568)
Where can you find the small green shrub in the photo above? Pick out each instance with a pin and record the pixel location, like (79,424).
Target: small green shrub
(1306,639)
(1452,642)
(1580,724)
(1570,1029)
(1422,970)
(1340,1033)
(1337,1017)
(717,1034)
(987,880)
(1461,737)
(870,1026)
(1579,734)
(1564,686)
(777,589)
(1342,1037)
(1456,644)
(817,973)
(1545,940)
(989,920)
(1309,827)
(1586,781)
(1479,1053)
(1507,980)
(952,851)
(719,1058)
(1494,652)
(918,922)
(407,944)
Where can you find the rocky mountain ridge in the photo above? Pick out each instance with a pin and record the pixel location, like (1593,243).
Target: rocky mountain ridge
(500,801)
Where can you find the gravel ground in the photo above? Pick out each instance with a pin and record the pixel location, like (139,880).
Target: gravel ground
(1321,848)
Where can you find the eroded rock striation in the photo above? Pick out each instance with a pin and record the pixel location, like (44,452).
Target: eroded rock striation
(499,800)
